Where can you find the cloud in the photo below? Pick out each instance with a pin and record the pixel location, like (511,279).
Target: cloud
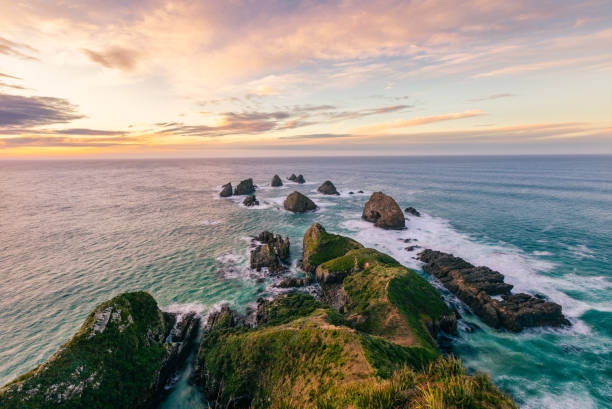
(14,49)
(405,123)
(115,57)
(493,97)
(23,112)
(56,141)
(318,136)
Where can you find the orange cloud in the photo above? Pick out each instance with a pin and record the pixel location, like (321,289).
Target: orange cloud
(405,123)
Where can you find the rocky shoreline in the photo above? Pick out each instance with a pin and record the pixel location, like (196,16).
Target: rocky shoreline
(476,286)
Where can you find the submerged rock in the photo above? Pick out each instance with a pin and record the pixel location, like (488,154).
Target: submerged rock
(250,200)
(291,282)
(300,179)
(276,181)
(411,210)
(328,188)
(226,190)
(384,212)
(476,286)
(270,251)
(245,187)
(123,356)
(298,203)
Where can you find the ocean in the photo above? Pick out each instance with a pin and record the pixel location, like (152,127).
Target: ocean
(76,233)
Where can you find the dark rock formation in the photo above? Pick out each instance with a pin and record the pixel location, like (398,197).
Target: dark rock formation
(298,203)
(300,179)
(123,356)
(477,285)
(226,190)
(351,193)
(270,251)
(360,191)
(384,212)
(292,177)
(276,181)
(412,248)
(245,187)
(251,200)
(411,210)
(291,282)
(328,188)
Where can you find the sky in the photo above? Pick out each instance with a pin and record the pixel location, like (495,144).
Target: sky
(154,78)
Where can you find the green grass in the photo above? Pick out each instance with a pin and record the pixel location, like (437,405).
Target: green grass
(287,308)
(115,368)
(323,246)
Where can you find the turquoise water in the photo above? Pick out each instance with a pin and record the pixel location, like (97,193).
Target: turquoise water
(73,234)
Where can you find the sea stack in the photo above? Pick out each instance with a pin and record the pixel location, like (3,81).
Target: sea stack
(226,190)
(328,188)
(245,187)
(384,212)
(411,210)
(298,203)
(250,200)
(276,181)
(270,251)
(300,179)
(292,177)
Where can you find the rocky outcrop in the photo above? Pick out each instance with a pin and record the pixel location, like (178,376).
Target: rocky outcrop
(476,286)
(384,212)
(276,181)
(250,200)
(291,282)
(320,246)
(328,188)
(270,251)
(411,210)
(226,190)
(124,356)
(300,179)
(245,187)
(298,203)
(292,177)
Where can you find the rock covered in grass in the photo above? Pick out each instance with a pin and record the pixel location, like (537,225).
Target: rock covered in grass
(245,187)
(411,210)
(250,200)
(384,212)
(477,285)
(270,251)
(226,190)
(276,181)
(296,202)
(320,246)
(328,188)
(122,357)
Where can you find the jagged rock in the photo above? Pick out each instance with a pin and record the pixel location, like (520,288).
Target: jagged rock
(224,318)
(250,200)
(412,248)
(125,338)
(411,210)
(270,251)
(292,177)
(276,181)
(477,285)
(328,188)
(300,179)
(291,282)
(384,212)
(298,203)
(226,190)
(245,187)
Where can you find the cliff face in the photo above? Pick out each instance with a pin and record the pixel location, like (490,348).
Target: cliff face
(370,344)
(122,357)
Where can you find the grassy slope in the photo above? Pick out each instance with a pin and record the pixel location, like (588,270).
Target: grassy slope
(113,369)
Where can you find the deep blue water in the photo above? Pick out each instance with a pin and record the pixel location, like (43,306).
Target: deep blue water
(75,233)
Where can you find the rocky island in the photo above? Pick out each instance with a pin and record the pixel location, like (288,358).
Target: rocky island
(296,202)
(384,212)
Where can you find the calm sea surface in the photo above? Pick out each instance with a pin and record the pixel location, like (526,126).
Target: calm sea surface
(75,233)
